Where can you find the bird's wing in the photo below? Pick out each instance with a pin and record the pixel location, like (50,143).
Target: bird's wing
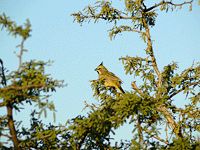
(112,76)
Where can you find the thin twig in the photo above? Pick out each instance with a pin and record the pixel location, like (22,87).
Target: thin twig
(21,52)
(140,131)
(166,129)
(166,2)
(134,86)
(156,137)
(2,104)
(5,135)
(183,88)
(3,77)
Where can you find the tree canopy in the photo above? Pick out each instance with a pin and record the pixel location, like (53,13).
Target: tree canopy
(147,107)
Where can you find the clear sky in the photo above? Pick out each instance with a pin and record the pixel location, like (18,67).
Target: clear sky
(77,50)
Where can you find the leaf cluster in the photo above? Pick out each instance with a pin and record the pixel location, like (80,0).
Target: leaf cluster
(29,84)
(14,29)
(94,131)
(136,11)
(41,136)
(146,108)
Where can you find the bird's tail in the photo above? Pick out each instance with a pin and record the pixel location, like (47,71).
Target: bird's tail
(121,90)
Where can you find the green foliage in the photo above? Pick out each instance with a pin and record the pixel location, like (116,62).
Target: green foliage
(135,10)
(147,108)
(13,28)
(184,144)
(41,136)
(29,84)
(104,10)
(150,104)
(101,10)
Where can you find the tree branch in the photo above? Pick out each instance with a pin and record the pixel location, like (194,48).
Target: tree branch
(19,88)
(156,137)
(134,86)
(170,120)
(149,51)
(11,126)
(139,131)
(3,77)
(167,114)
(95,17)
(167,2)
(6,135)
(166,130)
(183,88)
(22,50)
(2,104)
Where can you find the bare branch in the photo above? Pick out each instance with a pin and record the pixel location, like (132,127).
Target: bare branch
(149,50)
(2,104)
(183,88)
(156,137)
(5,135)
(170,120)
(3,77)
(134,86)
(115,30)
(21,52)
(11,126)
(166,130)
(140,130)
(167,2)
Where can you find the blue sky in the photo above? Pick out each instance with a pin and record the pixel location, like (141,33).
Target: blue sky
(77,50)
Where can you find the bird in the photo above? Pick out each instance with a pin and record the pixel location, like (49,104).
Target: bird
(109,79)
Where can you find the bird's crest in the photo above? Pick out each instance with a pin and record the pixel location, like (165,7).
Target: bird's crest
(101,67)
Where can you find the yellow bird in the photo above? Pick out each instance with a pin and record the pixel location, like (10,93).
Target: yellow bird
(109,78)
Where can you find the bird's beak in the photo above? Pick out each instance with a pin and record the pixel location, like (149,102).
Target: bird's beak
(95,69)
